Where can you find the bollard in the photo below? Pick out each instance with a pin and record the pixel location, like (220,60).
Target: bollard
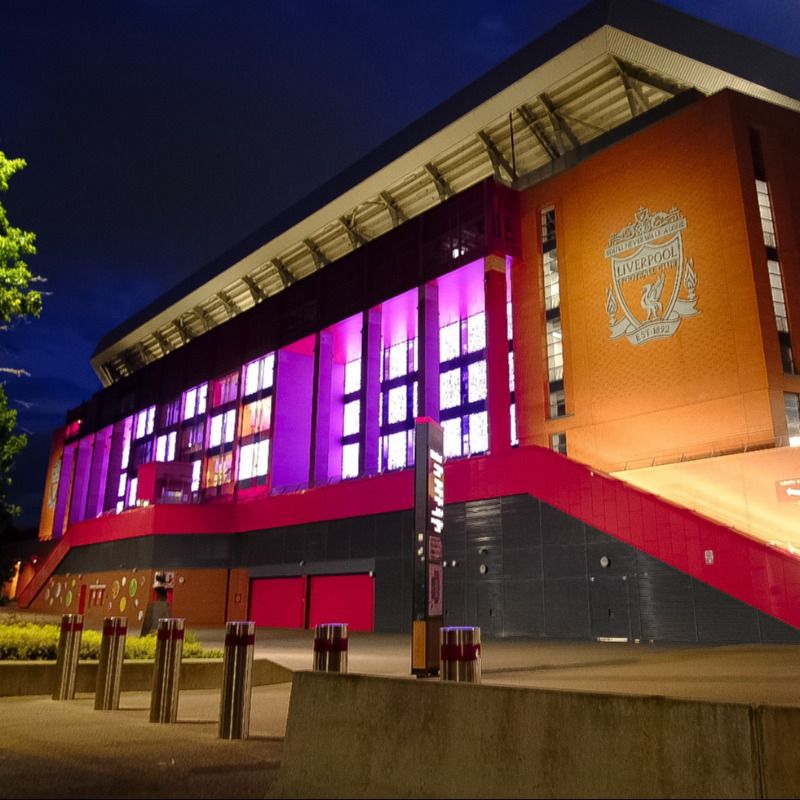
(237,680)
(330,647)
(109,670)
(461,654)
(69,647)
(167,670)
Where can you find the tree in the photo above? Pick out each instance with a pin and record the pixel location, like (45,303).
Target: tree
(17,300)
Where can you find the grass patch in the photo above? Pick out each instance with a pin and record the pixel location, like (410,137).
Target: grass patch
(30,641)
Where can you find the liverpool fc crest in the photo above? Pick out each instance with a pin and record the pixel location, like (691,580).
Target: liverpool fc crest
(651,285)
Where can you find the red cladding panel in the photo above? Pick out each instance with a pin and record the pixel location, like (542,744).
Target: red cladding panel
(343,598)
(278,602)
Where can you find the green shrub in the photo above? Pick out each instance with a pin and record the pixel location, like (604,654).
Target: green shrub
(27,641)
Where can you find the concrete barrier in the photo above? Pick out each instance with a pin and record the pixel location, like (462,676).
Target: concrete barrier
(360,736)
(37,677)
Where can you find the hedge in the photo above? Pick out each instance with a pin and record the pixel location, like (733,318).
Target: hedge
(29,641)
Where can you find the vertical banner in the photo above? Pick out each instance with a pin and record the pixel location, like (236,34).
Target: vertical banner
(51,487)
(428,529)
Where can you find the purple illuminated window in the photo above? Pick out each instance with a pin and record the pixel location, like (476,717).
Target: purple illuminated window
(398,405)
(258,378)
(463,386)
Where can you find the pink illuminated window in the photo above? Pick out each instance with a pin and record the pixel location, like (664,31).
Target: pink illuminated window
(463,386)
(398,405)
(225,390)
(194,401)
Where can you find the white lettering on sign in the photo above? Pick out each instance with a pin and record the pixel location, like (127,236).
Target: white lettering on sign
(437,510)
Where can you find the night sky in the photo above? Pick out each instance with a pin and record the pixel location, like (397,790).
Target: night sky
(159,133)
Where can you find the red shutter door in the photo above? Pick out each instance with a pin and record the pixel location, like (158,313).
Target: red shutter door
(278,602)
(343,598)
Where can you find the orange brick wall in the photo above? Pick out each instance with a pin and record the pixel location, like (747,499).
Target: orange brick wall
(710,385)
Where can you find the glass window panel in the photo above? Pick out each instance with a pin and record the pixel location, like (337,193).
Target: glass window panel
(514,435)
(415,399)
(268,371)
(123,482)
(350,460)
(509,322)
(132,487)
(476,381)
(478,433)
(352,376)
(352,418)
(171,440)
(141,425)
(202,398)
(189,401)
(511,371)
(251,378)
(246,462)
(161,448)
(398,404)
(397,450)
(450,389)
(451,429)
(218,470)
(230,425)
(476,332)
(196,475)
(449,341)
(398,360)
(256,416)
(215,431)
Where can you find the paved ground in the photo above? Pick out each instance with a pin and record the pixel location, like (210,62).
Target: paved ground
(51,749)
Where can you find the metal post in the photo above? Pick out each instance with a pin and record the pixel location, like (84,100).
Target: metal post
(109,670)
(69,647)
(237,680)
(461,654)
(167,670)
(330,647)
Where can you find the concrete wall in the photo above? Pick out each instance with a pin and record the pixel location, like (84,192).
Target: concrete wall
(384,737)
(38,677)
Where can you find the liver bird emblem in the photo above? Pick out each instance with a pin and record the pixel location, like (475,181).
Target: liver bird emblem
(651,298)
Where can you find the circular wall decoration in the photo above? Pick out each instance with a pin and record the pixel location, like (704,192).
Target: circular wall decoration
(124,580)
(52,600)
(141,616)
(68,598)
(115,589)
(58,591)
(136,602)
(47,593)
(123,603)
(604,562)
(133,587)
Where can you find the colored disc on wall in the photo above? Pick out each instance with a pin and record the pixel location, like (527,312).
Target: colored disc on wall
(68,598)
(123,603)
(133,586)
(115,589)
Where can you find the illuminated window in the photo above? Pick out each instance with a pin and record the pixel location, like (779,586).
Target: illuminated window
(351,425)
(253,460)
(218,470)
(256,416)
(194,401)
(196,467)
(350,460)
(165,446)
(554,345)
(145,423)
(398,405)
(558,442)
(259,374)
(765,211)
(463,386)
(791,402)
(222,428)
(225,390)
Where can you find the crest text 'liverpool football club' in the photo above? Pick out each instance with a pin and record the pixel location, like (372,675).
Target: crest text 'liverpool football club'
(651,285)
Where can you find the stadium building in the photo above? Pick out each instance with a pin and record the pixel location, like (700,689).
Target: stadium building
(585,266)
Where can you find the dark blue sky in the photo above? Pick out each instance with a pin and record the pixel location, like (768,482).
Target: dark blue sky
(159,133)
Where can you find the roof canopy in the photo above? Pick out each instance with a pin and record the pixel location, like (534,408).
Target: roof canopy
(609,63)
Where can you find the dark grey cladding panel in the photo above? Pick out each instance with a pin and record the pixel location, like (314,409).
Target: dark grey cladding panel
(773,630)
(610,608)
(524,607)
(455,602)
(455,533)
(560,528)
(522,562)
(263,547)
(721,618)
(520,522)
(339,537)
(317,537)
(389,535)
(294,544)
(564,561)
(666,607)
(621,558)
(362,538)
(566,608)
(211,551)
